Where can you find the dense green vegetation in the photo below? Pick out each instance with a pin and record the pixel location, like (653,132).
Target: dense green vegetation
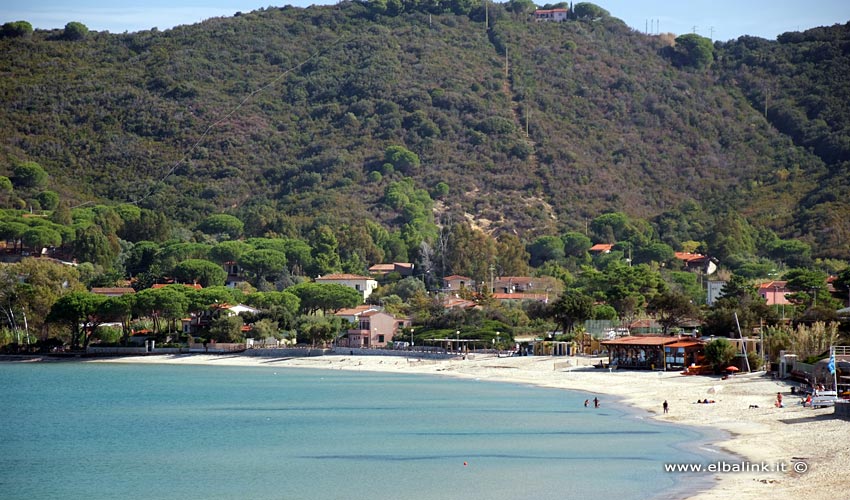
(297,142)
(282,117)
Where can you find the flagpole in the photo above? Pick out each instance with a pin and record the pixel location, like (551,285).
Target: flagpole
(834,370)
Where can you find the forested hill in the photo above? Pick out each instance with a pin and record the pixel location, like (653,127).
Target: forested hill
(287,116)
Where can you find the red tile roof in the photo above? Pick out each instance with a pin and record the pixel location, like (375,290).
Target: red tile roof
(688,257)
(451,303)
(521,296)
(602,247)
(771,284)
(685,343)
(354,311)
(342,277)
(642,340)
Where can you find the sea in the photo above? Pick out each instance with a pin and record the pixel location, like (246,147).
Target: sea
(77,430)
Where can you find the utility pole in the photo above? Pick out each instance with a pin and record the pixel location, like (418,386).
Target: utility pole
(492,281)
(711,30)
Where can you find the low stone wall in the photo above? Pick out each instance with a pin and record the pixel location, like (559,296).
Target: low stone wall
(287,352)
(214,347)
(304,352)
(119,351)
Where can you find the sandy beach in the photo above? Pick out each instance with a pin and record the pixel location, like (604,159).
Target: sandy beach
(758,432)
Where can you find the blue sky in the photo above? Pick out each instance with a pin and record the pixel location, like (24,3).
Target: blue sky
(718,19)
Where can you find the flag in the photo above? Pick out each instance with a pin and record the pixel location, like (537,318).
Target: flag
(831,364)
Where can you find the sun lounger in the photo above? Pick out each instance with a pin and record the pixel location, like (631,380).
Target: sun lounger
(824,399)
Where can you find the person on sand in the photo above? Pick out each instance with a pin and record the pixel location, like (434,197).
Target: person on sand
(665,406)
(779,400)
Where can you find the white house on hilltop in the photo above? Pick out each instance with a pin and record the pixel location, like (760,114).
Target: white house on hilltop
(363,284)
(551,15)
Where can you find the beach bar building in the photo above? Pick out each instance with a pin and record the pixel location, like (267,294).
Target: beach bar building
(650,352)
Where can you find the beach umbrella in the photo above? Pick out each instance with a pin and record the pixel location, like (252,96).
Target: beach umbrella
(715,389)
(731,368)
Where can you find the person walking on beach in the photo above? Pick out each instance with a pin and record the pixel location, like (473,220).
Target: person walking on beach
(665,406)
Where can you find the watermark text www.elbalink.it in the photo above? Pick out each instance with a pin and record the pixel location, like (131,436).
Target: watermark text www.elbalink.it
(799,467)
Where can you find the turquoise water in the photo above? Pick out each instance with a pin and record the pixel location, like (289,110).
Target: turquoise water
(105,431)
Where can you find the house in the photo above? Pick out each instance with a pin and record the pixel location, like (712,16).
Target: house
(697,262)
(653,352)
(775,292)
(363,284)
(374,329)
(235,274)
(600,248)
(551,15)
(203,319)
(520,284)
(539,297)
(645,326)
(403,268)
(714,290)
(458,303)
(352,315)
(115,291)
(837,293)
(455,283)
(741,344)
(241,308)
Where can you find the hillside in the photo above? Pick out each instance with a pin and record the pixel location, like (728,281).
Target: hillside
(281,116)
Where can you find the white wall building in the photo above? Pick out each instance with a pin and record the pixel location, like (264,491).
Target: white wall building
(363,284)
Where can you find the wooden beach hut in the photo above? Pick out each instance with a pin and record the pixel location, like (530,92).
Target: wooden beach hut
(652,352)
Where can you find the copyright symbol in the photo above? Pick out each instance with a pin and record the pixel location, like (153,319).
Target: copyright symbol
(801,467)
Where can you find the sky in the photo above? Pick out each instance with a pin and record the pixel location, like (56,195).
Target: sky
(716,19)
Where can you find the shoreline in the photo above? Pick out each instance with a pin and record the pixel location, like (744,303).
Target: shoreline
(776,437)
